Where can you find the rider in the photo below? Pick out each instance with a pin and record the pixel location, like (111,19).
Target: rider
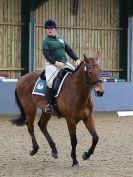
(54,49)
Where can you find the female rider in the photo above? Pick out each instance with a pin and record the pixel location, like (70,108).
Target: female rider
(54,49)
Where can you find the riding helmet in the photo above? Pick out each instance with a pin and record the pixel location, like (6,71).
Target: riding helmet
(50,24)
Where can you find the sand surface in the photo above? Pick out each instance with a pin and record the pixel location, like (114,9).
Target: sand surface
(113,155)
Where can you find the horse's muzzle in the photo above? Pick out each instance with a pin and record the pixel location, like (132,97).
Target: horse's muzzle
(99,93)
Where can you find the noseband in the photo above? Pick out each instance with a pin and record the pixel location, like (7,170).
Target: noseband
(88,83)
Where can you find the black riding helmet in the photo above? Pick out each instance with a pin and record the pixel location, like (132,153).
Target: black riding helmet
(50,24)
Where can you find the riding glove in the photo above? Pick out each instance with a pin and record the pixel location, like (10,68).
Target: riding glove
(59,64)
(78,62)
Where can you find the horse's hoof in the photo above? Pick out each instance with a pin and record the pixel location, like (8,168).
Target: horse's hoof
(84,156)
(76,165)
(54,155)
(33,152)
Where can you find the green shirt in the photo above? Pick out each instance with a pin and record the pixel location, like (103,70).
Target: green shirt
(56,47)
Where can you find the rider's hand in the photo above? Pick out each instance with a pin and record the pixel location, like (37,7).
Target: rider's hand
(78,62)
(59,64)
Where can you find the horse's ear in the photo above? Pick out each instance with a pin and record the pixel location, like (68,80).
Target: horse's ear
(98,56)
(85,58)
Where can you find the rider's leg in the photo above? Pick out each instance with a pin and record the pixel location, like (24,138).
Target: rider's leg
(51,73)
(49,99)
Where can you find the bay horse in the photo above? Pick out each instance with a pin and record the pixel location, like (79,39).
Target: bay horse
(74,102)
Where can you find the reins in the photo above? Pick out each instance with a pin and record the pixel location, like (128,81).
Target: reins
(90,84)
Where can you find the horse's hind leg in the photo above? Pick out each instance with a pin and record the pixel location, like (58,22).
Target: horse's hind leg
(45,117)
(30,125)
(89,122)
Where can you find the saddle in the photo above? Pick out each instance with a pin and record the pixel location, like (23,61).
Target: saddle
(57,84)
(59,79)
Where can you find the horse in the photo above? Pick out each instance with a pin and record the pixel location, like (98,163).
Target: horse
(75,103)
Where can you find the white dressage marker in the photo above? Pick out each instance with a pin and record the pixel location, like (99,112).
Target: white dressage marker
(9,80)
(125,113)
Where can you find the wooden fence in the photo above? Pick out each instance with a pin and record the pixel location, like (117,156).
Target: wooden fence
(95,27)
(10,37)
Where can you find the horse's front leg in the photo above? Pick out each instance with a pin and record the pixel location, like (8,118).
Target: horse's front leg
(73,138)
(89,122)
(45,117)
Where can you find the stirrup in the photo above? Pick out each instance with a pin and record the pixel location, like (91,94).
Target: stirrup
(49,108)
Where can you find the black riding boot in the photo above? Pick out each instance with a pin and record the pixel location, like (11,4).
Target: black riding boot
(49,98)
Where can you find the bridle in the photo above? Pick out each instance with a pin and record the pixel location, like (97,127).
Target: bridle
(87,82)
(86,79)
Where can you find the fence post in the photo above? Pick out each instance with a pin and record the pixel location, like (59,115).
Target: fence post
(129,47)
(32,41)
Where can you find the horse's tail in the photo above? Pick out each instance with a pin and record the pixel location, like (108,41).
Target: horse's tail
(21,120)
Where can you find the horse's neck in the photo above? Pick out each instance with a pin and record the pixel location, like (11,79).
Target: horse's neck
(79,74)
(79,79)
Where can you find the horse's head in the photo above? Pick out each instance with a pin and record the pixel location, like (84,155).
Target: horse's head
(93,74)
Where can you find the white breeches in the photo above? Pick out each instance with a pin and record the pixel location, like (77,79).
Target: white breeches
(52,71)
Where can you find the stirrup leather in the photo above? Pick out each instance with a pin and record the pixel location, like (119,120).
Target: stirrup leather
(49,108)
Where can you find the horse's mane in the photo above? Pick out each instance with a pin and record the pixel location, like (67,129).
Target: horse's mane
(78,67)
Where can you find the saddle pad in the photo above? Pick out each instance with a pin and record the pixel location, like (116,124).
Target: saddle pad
(40,87)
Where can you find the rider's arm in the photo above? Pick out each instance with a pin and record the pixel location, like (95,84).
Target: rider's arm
(70,52)
(48,57)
